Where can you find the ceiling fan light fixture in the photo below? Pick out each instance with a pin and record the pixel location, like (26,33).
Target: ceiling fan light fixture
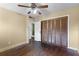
(35,11)
(34,8)
(40,13)
(29,12)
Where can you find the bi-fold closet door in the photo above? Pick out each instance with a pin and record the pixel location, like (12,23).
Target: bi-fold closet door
(54,31)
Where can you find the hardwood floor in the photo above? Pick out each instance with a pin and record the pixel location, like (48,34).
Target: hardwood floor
(35,49)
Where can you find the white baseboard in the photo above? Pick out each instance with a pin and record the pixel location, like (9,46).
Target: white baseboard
(73,48)
(12,46)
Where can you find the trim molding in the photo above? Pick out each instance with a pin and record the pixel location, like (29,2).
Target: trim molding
(12,46)
(73,49)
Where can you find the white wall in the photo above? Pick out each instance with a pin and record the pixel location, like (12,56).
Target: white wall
(12,29)
(29,29)
(38,31)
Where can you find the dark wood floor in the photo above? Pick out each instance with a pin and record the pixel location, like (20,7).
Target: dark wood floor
(35,49)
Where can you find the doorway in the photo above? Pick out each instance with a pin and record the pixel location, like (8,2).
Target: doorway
(38,31)
(33,32)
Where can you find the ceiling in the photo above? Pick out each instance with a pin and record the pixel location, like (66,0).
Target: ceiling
(52,7)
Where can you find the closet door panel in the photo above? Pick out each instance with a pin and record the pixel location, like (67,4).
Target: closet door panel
(44,31)
(53,32)
(49,31)
(64,31)
(58,35)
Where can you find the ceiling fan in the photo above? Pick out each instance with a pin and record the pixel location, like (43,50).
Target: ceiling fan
(33,6)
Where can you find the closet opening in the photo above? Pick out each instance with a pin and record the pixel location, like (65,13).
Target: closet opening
(54,32)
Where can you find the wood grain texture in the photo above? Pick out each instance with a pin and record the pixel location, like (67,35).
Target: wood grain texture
(54,31)
(49,32)
(58,33)
(44,31)
(64,33)
(35,49)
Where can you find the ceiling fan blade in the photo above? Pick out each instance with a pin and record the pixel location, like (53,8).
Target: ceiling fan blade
(44,6)
(24,6)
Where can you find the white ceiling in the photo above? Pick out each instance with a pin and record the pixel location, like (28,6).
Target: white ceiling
(13,7)
(61,6)
(52,7)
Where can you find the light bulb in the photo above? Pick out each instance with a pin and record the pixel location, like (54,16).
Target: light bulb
(35,11)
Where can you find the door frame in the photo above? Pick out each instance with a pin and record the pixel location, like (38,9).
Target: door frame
(67,26)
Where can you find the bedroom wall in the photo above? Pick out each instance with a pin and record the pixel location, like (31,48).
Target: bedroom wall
(73,14)
(12,29)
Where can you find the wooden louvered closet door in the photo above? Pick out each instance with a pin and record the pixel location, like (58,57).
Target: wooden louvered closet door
(44,31)
(58,33)
(49,32)
(64,31)
(54,31)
